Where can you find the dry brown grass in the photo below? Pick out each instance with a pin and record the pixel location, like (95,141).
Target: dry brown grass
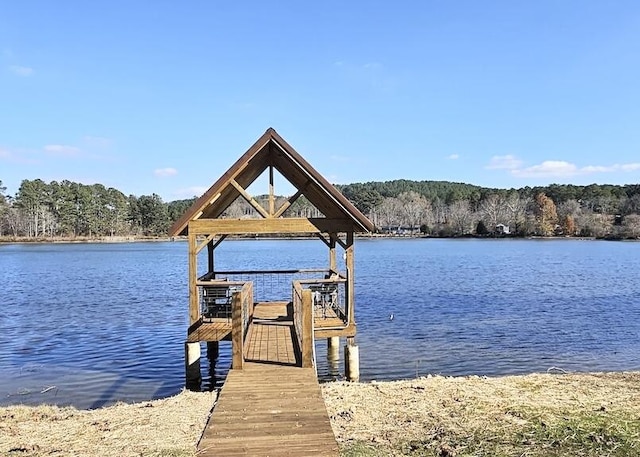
(534,415)
(168,427)
(524,416)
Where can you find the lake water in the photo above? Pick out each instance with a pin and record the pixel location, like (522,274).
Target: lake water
(92,324)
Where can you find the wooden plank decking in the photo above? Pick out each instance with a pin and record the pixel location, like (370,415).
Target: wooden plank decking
(271,336)
(272,407)
(212,330)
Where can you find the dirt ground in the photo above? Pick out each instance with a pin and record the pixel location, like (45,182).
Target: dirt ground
(533,415)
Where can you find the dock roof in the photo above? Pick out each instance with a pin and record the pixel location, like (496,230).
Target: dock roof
(271,150)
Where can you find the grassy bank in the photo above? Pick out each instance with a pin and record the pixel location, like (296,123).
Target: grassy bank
(534,415)
(160,428)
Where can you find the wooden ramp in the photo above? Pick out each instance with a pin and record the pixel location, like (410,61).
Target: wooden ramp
(272,407)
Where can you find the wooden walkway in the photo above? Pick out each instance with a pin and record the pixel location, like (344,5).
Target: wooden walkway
(272,407)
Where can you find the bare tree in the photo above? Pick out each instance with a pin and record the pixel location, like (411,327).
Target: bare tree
(460,217)
(415,208)
(568,213)
(593,224)
(631,224)
(240,209)
(389,212)
(568,208)
(516,211)
(439,211)
(493,211)
(13,221)
(4,207)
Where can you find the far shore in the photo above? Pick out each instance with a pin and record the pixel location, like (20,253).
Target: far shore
(138,239)
(589,414)
(80,239)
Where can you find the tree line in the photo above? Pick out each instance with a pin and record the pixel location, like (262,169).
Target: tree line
(69,209)
(442,208)
(436,208)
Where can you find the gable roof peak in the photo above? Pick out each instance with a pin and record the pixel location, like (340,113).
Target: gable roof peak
(291,166)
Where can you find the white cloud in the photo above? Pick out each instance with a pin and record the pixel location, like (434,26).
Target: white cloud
(17,156)
(21,70)
(62,150)
(507,162)
(97,141)
(189,192)
(556,168)
(548,168)
(165,172)
(453,157)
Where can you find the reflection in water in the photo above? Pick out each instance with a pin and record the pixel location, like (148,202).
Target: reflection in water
(213,351)
(216,364)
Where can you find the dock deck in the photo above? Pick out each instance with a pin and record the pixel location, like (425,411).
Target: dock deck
(271,407)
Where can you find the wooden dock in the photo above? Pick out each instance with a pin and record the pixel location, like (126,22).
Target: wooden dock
(272,407)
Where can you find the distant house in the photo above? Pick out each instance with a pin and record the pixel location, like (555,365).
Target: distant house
(502,229)
(399,230)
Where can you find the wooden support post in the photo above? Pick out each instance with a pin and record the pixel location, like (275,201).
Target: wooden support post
(333,356)
(237,332)
(210,257)
(307,329)
(194,310)
(351,361)
(333,264)
(333,344)
(192,365)
(351,308)
(272,198)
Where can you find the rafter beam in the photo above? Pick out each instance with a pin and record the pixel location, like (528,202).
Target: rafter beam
(252,201)
(290,201)
(220,240)
(201,246)
(324,240)
(270,226)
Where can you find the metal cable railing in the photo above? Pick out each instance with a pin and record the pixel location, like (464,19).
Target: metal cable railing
(271,285)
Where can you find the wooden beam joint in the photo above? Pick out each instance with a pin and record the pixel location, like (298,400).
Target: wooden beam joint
(252,201)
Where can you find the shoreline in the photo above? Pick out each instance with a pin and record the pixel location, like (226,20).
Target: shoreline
(135,239)
(79,240)
(586,414)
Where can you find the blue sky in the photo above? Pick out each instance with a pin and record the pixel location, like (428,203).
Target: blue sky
(163,96)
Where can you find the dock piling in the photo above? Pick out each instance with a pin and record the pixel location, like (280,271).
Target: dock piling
(333,356)
(192,365)
(351,361)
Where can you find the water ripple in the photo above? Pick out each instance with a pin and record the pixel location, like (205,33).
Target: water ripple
(92,324)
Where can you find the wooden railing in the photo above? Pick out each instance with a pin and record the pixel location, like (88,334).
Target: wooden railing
(269,285)
(303,323)
(241,315)
(331,292)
